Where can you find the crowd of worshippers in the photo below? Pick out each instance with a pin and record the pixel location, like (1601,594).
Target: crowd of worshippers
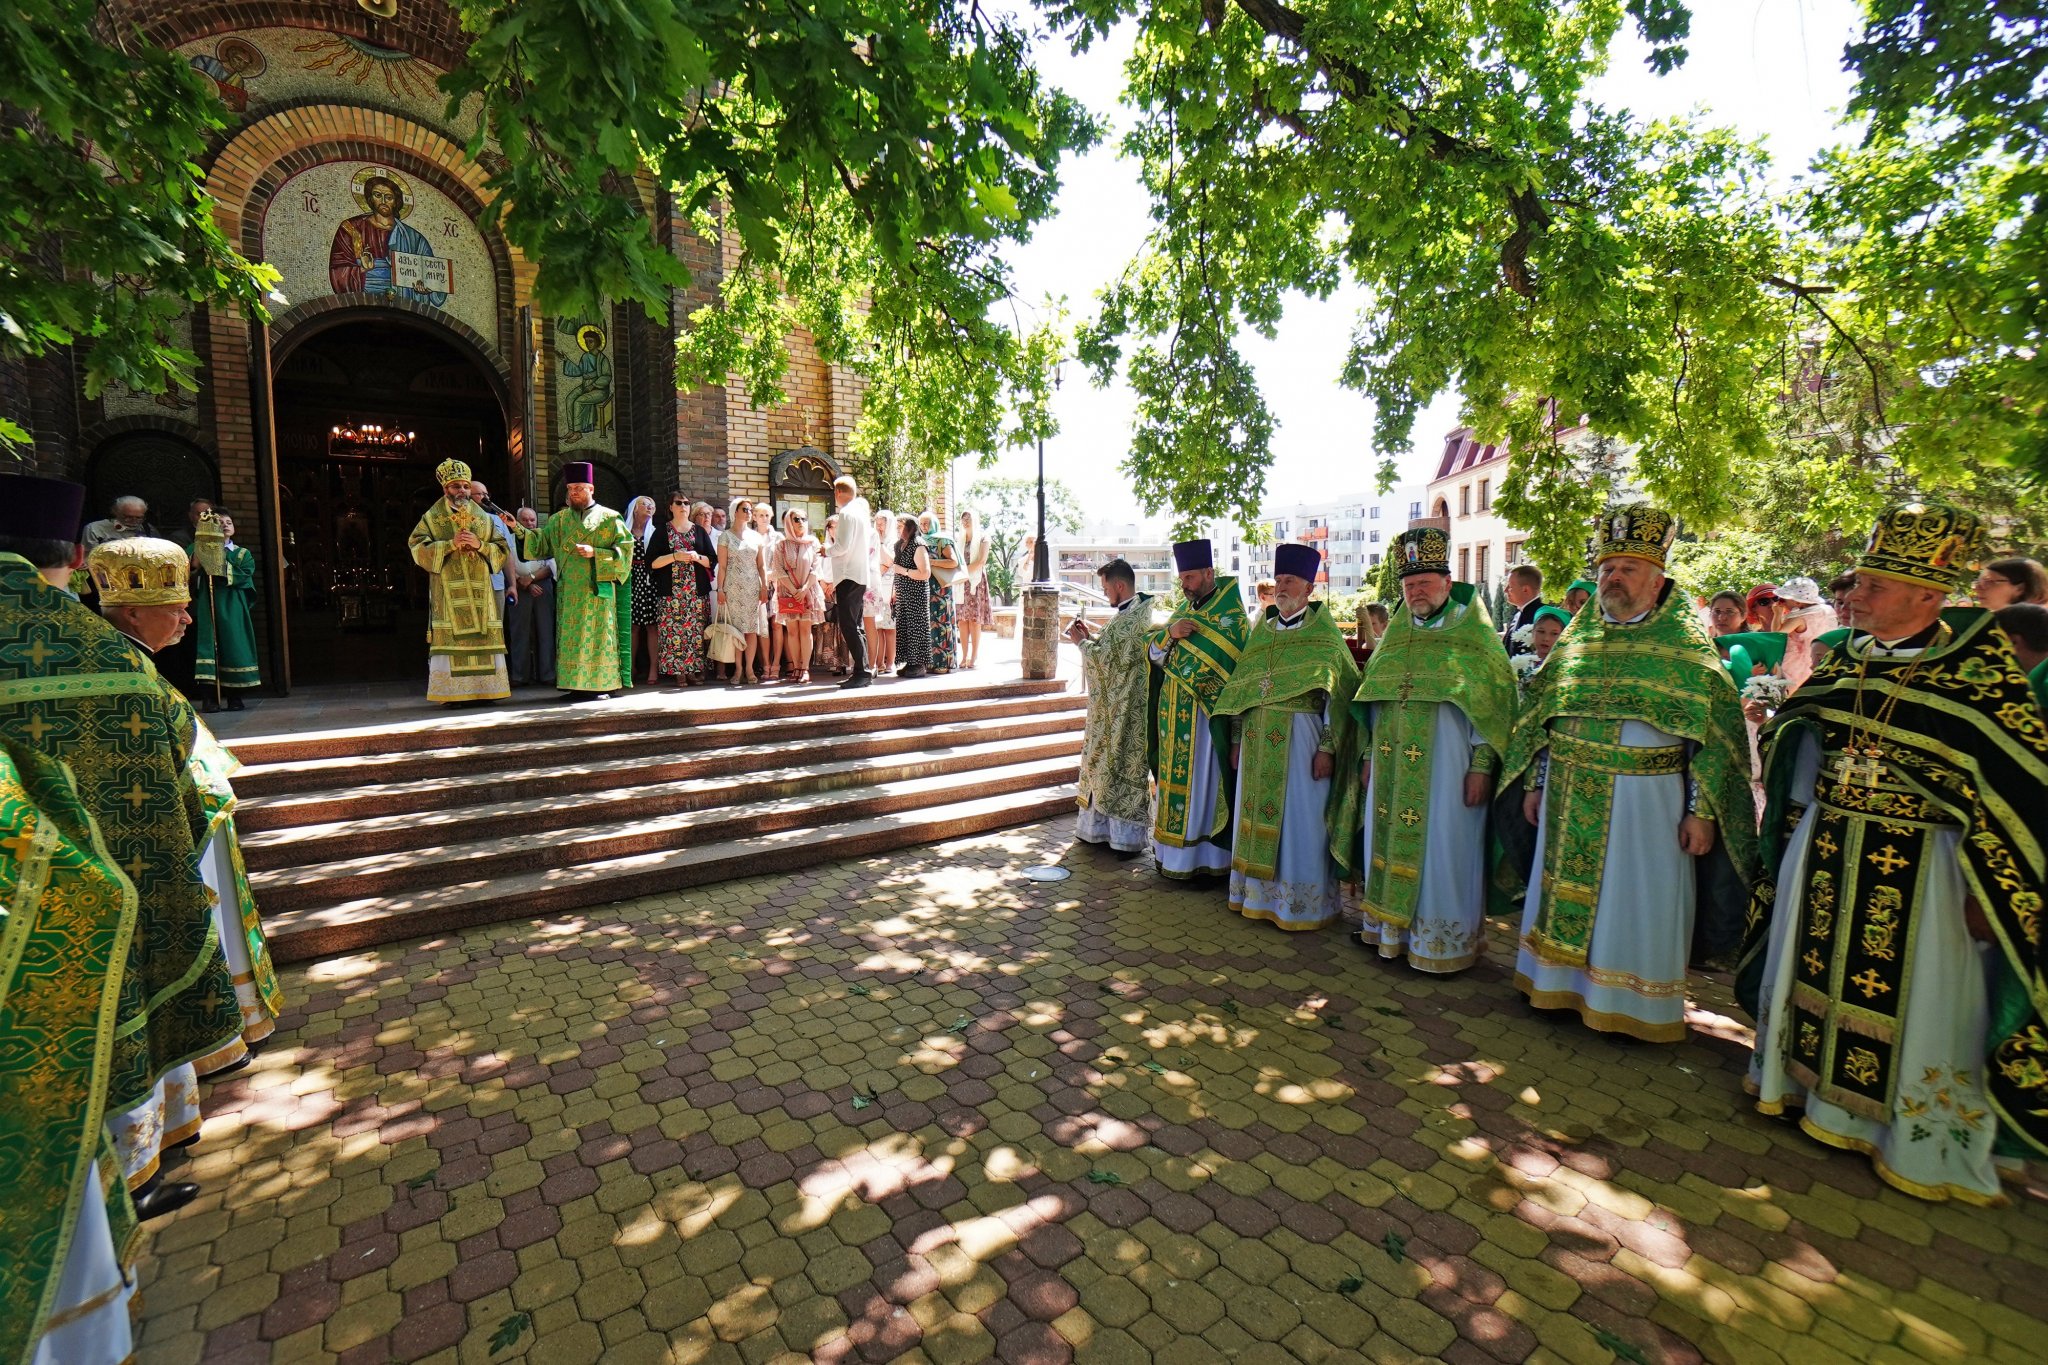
(132,960)
(1843,803)
(594,602)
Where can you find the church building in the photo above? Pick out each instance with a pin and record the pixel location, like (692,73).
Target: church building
(406,334)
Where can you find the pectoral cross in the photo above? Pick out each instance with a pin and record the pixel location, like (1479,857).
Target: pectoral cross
(1266,685)
(1887,860)
(1862,767)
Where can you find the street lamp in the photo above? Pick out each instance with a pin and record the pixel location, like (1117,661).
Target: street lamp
(1041,558)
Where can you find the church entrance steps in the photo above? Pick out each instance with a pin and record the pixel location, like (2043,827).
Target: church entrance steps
(748,740)
(639,711)
(366,819)
(350,925)
(614,805)
(746,753)
(508,854)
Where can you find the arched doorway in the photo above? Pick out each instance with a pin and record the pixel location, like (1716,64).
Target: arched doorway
(802,479)
(365,409)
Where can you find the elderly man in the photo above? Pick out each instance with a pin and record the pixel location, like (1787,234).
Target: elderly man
(1896,972)
(1287,703)
(1436,705)
(455,543)
(593,556)
(74,689)
(129,516)
(529,608)
(1115,786)
(1524,592)
(1192,657)
(1633,741)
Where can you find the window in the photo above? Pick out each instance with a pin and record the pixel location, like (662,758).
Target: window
(1464,499)
(1484,550)
(1414,511)
(1464,566)
(1375,561)
(1485,500)
(1514,552)
(1374,514)
(1375,535)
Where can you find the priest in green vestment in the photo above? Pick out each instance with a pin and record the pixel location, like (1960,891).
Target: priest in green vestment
(66,922)
(1632,743)
(226,875)
(223,614)
(1192,656)
(593,556)
(1287,709)
(1896,963)
(456,543)
(1115,785)
(1435,706)
(74,688)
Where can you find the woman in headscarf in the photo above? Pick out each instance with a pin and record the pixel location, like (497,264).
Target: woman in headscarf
(646,528)
(912,564)
(1803,616)
(743,586)
(880,607)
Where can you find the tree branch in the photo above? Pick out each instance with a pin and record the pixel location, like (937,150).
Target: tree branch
(1809,294)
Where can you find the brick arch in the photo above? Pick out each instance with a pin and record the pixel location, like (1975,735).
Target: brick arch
(428,30)
(99,433)
(299,324)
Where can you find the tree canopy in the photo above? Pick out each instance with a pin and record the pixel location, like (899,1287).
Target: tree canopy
(1554,261)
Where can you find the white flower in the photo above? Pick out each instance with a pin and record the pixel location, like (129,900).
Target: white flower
(1767,688)
(1524,635)
(1525,665)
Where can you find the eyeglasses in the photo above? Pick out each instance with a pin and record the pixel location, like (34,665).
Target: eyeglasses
(678,502)
(1985,580)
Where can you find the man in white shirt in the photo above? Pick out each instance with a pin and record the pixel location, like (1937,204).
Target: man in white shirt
(848,554)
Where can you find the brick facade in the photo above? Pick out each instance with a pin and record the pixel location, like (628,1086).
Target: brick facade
(710,441)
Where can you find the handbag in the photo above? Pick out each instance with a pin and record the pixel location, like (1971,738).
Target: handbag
(723,643)
(942,576)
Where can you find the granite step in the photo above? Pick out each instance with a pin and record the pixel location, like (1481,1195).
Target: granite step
(412,827)
(351,924)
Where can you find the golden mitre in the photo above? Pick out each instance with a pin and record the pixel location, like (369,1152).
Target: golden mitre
(210,545)
(1929,544)
(140,572)
(1638,529)
(451,471)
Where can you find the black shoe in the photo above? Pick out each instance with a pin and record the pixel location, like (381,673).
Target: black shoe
(235,704)
(210,706)
(857,680)
(163,1199)
(910,673)
(569,697)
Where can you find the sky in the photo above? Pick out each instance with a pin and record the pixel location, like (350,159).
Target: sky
(1770,68)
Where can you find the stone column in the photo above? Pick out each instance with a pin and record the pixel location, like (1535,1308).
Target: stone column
(1040,630)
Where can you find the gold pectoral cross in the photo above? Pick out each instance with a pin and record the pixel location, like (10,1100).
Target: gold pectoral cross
(1861,767)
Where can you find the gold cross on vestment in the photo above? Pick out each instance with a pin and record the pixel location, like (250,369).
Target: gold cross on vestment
(1386,747)
(135,725)
(1825,845)
(135,796)
(1814,963)
(1871,983)
(37,728)
(1887,860)
(133,867)
(1411,817)
(38,652)
(1412,754)
(20,844)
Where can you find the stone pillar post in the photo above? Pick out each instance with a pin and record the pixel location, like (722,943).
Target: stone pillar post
(1040,631)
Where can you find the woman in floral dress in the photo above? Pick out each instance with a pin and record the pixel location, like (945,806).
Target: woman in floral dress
(913,568)
(945,562)
(681,562)
(880,607)
(743,586)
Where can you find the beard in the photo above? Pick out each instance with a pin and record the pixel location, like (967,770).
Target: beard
(458,499)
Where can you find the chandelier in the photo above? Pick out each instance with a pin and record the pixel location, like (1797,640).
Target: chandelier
(369,439)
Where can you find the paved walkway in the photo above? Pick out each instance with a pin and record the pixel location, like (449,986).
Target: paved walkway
(920,1107)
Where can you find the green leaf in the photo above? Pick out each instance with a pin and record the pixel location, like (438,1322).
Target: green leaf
(863,1099)
(420,1182)
(510,1329)
(1395,1245)
(860,988)
(1351,1284)
(1622,1348)
(1101,1177)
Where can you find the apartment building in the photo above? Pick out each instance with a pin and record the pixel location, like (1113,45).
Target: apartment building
(1353,534)
(1461,498)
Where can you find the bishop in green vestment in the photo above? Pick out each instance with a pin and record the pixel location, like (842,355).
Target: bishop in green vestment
(1115,787)
(593,556)
(1633,744)
(1897,964)
(66,923)
(223,617)
(1435,706)
(1192,656)
(1287,709)
(457,545)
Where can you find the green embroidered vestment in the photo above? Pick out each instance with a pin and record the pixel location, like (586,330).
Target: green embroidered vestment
(1194,674)
(593,603)
(75,689)
(1415,668)
(1281,674)
(1114,779)
(1963,746)
(465,614)
(67,915)
(1662,671)
(224,622)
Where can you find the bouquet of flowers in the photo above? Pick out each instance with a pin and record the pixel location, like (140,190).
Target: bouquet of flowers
(1523,636)
(1767,689)
(1525,666)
